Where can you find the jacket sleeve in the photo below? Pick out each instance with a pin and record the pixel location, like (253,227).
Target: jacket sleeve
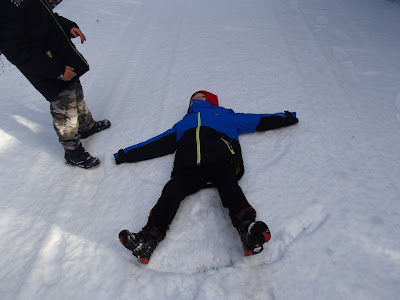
(262,122)
(160,145)
(22,55)
(66,24)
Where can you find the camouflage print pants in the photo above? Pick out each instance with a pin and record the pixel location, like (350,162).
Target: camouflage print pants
(70,114)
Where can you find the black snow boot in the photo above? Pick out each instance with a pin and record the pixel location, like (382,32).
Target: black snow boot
(80,158)
(143,243)
(253,235)
(98,126)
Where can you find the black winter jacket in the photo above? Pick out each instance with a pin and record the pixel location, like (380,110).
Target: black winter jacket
(37,41)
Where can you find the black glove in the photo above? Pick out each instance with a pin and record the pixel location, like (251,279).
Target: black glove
(290,117)
(121,157)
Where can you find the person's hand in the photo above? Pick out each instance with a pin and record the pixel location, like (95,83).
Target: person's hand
(75,32)
(68,74)
(121,157)
(291,117)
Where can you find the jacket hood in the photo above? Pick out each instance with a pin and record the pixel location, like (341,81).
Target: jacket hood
(199,105)
(210,97)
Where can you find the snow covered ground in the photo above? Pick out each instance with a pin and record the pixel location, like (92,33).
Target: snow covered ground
(328,187)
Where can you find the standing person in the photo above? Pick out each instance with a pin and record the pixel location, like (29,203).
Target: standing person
(38,42)
(207,153)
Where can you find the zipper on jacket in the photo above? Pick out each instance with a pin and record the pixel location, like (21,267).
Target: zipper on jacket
(229,146)
(62,30)
(198,139)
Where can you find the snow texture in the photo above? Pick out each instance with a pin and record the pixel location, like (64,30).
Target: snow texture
(328,187)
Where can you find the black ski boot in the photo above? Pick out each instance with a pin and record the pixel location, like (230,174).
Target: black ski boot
(253,235)
(98,126)
(142,244)
(80,158)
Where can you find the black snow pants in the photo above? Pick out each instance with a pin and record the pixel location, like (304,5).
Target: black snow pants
(187,181)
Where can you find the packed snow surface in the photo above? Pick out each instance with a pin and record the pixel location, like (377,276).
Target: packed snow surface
(328,187)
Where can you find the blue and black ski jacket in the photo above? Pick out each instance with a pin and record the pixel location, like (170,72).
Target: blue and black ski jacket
(206,135)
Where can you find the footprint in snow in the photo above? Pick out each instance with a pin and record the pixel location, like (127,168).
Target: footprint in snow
(342,56)
(321,22)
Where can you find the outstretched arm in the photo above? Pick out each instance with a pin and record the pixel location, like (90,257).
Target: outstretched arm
(160,145)
(277,121)
(262,122)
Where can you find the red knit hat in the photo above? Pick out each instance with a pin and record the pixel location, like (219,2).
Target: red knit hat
(210,97)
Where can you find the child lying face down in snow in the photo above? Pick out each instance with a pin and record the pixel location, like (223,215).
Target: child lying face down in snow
(207,153)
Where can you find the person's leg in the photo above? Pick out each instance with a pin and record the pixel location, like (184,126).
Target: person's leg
(243,216)
(182,184)
(64,110)
(87,125)
(224,178)
(85,118)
